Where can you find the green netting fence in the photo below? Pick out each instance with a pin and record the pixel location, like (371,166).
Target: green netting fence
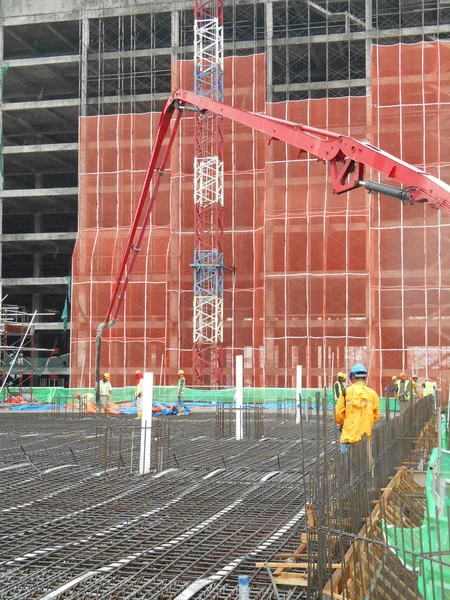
(425,550)
(168,394)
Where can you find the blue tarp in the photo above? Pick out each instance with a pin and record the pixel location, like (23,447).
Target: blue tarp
(126,410)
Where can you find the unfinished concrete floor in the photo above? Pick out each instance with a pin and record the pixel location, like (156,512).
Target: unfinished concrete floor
(78,521)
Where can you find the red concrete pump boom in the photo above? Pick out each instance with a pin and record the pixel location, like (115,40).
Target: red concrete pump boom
(347,157)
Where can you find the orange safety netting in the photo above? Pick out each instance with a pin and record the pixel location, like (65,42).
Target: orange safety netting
(321,280)
(410,249)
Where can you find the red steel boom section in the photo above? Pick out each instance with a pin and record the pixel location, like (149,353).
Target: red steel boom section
(347,157)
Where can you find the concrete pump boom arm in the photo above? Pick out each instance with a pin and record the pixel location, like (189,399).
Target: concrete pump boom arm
(347,156)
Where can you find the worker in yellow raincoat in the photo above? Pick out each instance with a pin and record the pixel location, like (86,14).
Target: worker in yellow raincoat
(357,410)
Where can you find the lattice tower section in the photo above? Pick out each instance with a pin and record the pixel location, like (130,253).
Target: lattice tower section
(208,198)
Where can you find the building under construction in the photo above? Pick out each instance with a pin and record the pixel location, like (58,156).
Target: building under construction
(249,270)
(311,278)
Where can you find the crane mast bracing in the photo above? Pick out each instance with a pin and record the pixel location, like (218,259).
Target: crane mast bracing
(347,157)
(208,197)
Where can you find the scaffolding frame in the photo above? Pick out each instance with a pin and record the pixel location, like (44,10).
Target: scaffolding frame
(17,339)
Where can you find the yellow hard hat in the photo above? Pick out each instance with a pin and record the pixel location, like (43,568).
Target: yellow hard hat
(106,375)
(394,377)
(341,374)
(180,372)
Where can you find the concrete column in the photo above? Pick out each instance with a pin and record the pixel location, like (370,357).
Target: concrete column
(37,265)
(269,50)
(84,49)
(36,303)
(38,223)
(175,33)
(146,424)
(37,256)
(239,396)
(369,34)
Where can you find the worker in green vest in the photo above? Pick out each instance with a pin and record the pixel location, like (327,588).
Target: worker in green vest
(403,392)
(415,387)
(429,388)
(339,386)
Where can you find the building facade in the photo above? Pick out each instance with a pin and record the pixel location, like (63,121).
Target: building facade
(65,60)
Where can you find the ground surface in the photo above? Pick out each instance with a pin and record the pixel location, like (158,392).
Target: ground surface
(78,521)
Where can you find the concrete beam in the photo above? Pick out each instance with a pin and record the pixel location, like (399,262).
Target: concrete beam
(73,147)
(36,281)
(25,83)
(320,85)
(62,38)
(341,37)
(56,326)
(38,104)
(13,33)
(144,53)
(69,191)
(43,61)
(38,237)
(56,371)
(40,11)
(125,99)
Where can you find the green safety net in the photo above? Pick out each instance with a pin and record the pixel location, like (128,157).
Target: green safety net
(168,394)
(394,405)
(426,549)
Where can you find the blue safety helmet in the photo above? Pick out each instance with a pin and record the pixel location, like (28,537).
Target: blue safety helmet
(358,370)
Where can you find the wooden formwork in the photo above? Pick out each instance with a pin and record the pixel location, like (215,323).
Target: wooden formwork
(292,569)
(369,569)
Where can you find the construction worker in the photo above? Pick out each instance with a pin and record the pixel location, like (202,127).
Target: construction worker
(105,393)
(415,387)
(138,393)
(339,386)
(403,392)
(429,388)
(358,408)
(180,391)
(394,384)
